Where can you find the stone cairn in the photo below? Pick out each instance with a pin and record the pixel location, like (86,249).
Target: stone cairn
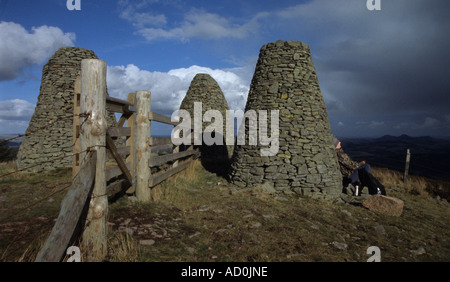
(49,136)
(306,162)
(205,89)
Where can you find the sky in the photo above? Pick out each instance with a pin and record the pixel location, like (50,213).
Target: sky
(380,71)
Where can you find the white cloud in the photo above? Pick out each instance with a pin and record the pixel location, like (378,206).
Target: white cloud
(196,24)
(375,124)
(429,123)
(16,110)
(426,123)
(169,88)
(371,60)
(20,48)
(403,125)
(15,116)
(372,124)
(140,19)
(447,118)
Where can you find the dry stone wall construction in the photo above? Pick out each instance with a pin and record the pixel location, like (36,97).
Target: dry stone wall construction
(285,79)
(206,90)
(49,136)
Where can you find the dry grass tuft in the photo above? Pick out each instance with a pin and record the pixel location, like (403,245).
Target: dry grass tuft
(415,185)
(122,247)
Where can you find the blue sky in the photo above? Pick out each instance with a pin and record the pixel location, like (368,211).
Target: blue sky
(381,72)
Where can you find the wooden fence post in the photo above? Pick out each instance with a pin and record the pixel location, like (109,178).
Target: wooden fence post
(93,137)
(142,147)
(405,175)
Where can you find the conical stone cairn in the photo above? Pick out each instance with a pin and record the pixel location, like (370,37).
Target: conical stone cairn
(205,90)
(305,163)
(49,136)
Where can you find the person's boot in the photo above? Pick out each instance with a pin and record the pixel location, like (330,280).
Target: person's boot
(358,188)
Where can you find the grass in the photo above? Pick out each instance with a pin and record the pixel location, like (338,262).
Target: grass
(198,216)
(29,203)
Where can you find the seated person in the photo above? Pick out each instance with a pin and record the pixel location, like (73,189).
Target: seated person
(358,174)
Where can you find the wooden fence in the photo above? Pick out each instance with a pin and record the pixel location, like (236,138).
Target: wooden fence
(108,161)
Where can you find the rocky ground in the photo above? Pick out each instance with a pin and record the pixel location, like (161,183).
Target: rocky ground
(208,219)
(200,217)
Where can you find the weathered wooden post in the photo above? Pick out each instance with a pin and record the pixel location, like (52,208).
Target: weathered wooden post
(142,147)
(405,175)
(93,137)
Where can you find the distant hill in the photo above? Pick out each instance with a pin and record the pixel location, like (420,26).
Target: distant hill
(12,143)
(9,151)
(429,156)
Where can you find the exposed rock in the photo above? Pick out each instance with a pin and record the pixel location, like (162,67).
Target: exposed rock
(339,246)
(380,229)
(266,187)
(270,216)
(190,250)
(127,230)
(384,204)
(148,242)
(255,225)
(419,251)
(346,212)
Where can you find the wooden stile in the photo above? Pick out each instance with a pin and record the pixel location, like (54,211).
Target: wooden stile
(92,138)
(161,118)
(159,160)
(155,180)
(119,131)
(123,167)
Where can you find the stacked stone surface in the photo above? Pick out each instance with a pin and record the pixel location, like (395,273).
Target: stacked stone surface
(206,90)
(49,136)
(285,79)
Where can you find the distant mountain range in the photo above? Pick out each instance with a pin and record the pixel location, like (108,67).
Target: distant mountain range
(12,143)
(429,156)
(9,151)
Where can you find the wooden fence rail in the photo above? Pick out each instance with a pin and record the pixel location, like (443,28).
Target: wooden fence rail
(109,160)
(71,210)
